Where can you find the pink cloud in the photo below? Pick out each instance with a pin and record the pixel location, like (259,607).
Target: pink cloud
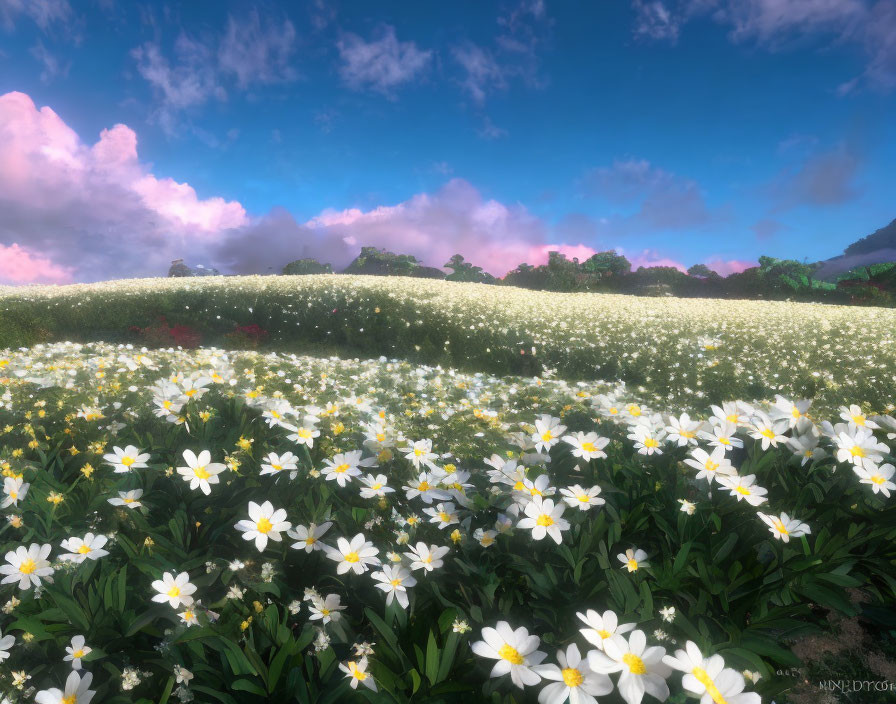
(648,258)
(20,266)
(96,208)
(724,267)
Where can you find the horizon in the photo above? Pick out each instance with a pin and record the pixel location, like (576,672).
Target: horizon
(244,137)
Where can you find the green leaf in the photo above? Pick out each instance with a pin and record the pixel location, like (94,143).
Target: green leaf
(432,659)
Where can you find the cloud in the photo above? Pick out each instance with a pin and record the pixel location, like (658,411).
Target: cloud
(21,266)
(661,200)
(483,74)
(724,267)
(823,179)
(250,53)
(256,53)
(44,13)
(51,66)
(381,64)
(91,212)
(775,25)
(767,228)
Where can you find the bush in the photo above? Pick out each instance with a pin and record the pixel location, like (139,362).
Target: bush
(302,267)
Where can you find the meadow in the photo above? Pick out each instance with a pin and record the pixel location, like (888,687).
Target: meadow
(248,525)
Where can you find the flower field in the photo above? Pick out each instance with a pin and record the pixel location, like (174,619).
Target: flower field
(249,526)
(680,353)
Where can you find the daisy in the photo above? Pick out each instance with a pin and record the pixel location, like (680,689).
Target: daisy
(343,466)
(485,538)
(515,650)
(573,679)
(421,453)
(303,434)
(588,446)
(633,559)
(877,477)
(14,490)
(277,412)
(583,499)
(127,459)
(642,669)
(806,448)
(307,538)
(722,434)
(544,518)
(602,626)
(326,609)
(265,523)
(27,566)
(647,439)
(860,447)
(375,486)
(709,466)
(445,514)
(188,616)
(6,642)
(395,580)
(174,590)
(785,527)
(78,550)
(353,556)
(767,431)
(854,416)
(682,430)
(708,678)
(744,488)
(791,412)
(548,431)
(131,498)
(76,651)
(200,471)
(426,487)
(687,506)
(357,672)
(76,691)
(274,464)
(426,557)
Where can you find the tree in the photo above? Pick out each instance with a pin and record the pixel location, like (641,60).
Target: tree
(701,271)
(465,271)
(178,268)
(604,264)
(301,267)
(381,262)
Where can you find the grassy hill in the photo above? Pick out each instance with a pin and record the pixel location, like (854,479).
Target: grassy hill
(680,352)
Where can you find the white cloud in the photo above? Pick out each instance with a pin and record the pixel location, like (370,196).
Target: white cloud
(382,64)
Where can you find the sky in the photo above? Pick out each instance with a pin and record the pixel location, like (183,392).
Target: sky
(245,135)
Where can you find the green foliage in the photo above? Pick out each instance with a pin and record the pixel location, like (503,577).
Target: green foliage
(303,267)
(465,271)
(380,262)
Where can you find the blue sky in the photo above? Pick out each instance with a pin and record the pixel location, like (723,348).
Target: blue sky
(700,130)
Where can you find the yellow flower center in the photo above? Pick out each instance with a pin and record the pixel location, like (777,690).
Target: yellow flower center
(544,520)
(325,612)
(733,418)
(703,678)
(711,466)
(71,699)
(795,412)
(201,472)
(878,479)
(352,557)
(572,677)
(511,655)
(519,486)
(857,451)
(129,501)
(188,615)
(28,566)
(84,549)
(614,411)
(341,468)
(277,467)
(769,433)
(79,653)
(632,565)
(263,526)
(310,540)
(589,447)
(547,436)
(779,526)
(423,486)
(725,441)
(127,460)
(584,498)
(376,487)
(190,392)
(174,591)
(304,433)
(742,490)
(858,420)
(687,434)
(604,634)
(418,452)
(358,674)
(651,442)
(635,664)
(395,582)
(444,517)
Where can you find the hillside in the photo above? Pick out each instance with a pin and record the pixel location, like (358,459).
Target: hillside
(879,246)
(686,352)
